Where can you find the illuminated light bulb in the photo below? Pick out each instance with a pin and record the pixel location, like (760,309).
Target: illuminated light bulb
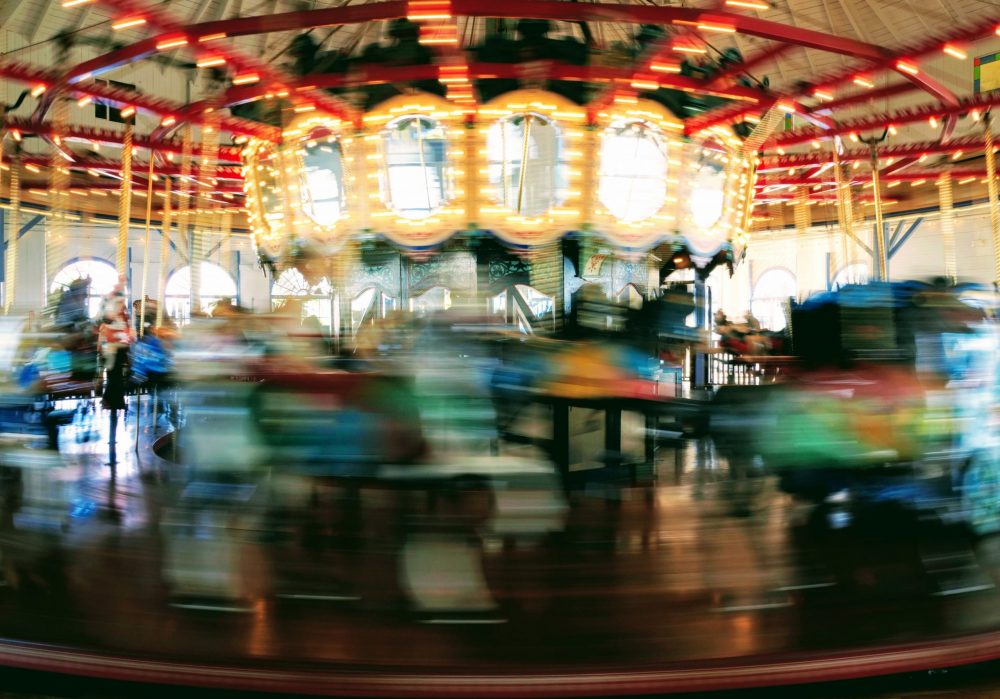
(173,42)
(16,134)
(967,180)
(712,27)
(791,172)
(171,156)
(975,115)
(856,165)
(246,79)
(894,183)
(689,48)
(863,82)
(646,85)
(127,23)
(74,3)
(816,144)
(955,52)
(933,122)
(31,167)
(786,107)
(211,37)
(907,67)
(917,183)
(168,121)
(923,157)
(781,151)
(665,68)
(38,89)
(211,62)
(84,101)
(823,95)
(956,155)
(892,129)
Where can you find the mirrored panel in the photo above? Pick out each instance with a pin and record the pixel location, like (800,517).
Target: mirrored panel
(322,190)
(708,191)
(413,180)
(527,169)
(633,175)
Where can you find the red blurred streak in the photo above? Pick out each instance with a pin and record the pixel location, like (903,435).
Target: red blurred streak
(862,97)
(696,675)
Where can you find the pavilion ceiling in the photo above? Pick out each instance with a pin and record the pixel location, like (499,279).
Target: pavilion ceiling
(848,69)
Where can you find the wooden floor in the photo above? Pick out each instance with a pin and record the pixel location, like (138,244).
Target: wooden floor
(714,571)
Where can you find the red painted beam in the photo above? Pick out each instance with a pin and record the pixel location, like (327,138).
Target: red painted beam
(881,121)
(914,53)
(681,16)
(292,21)
(865,181)
(866,96)
(30,75)
(161,21)
(83,134)
(969,145)
(113,167)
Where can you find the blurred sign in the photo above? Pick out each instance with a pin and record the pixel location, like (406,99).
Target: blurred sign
(986,74)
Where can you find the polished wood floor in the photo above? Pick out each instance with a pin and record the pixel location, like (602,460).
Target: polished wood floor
(711,567)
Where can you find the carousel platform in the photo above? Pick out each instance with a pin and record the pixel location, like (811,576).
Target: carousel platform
(718,582)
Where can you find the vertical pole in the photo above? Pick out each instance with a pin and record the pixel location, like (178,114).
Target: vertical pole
(13,227)
(165,224)
(991,174)
(145,249)
(701,316)
(124,203)
(946,204)
(879,250)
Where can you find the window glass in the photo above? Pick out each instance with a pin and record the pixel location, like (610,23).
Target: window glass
(771,294)
(102,275)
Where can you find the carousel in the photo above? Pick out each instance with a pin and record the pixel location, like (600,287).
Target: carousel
(567,180)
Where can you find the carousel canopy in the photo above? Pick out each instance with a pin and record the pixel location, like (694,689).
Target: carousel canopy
(794,80)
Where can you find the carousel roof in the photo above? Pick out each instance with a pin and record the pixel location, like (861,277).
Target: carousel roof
(843,70)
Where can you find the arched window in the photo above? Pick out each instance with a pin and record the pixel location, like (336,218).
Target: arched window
(856,273)
(633,178)
(370,305)
(436,298)
(318,300)
(102,275)
(770,296)
(630,296)
(216,284)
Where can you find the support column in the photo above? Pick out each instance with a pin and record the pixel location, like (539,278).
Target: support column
(124,204)
(13,228)
(161,287)
(991,175)
(946,202)
(879,247)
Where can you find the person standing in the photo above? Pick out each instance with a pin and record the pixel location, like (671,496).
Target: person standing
(115,336)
